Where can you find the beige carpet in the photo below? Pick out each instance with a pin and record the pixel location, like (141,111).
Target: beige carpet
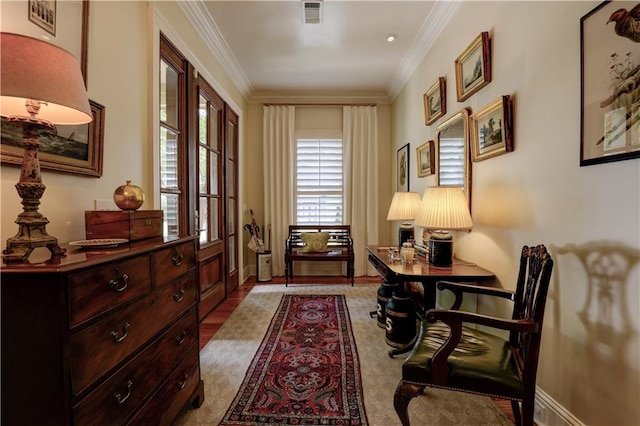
(225,359)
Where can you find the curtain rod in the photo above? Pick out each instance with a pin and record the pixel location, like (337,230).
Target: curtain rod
(320,104)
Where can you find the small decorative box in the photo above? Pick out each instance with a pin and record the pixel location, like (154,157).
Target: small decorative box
(130,224)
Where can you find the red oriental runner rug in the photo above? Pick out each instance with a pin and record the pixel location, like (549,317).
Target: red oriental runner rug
(306,371)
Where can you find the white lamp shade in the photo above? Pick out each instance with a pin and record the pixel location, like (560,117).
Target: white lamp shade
(404,206)
(40,71)
(444,208)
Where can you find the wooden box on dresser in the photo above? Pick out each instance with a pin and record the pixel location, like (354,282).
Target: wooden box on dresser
(101,336)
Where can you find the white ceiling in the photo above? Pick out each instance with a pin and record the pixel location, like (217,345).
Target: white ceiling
(269,52)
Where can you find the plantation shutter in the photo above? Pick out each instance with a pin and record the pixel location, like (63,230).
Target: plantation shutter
(319,182)
(451,162)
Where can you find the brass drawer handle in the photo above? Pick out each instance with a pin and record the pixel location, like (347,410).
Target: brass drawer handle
(119,284)
(177,259)
(181,337)
(182,383)
(119,398)
(125,331)
(177,297)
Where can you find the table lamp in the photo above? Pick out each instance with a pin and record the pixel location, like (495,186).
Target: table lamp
(443,208)
(404,206)
(41,85)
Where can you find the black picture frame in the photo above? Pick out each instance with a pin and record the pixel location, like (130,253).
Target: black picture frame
(402,162)
(609,117)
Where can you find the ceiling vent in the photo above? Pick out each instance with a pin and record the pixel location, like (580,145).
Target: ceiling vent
(312,12)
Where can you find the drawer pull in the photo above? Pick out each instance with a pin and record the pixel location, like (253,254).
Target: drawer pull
(182,383)
(177,259)
(181,337)
(177,297)
(125,331)
(119,284)
(119,398)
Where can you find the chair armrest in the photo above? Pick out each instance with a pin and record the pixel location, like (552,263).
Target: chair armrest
(450,317)
(454,320)
(459,289)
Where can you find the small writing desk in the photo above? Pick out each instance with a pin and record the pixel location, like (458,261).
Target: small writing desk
(420,271)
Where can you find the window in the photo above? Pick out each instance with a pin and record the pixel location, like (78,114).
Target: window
(451,164)
(172,139)
(319,182)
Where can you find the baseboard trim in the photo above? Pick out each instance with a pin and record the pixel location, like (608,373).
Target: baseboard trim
(549,412)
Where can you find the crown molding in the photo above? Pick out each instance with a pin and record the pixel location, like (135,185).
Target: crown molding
(438,19)
(203,22)
(205,26)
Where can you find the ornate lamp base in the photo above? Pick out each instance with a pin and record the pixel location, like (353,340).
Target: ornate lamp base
(31,233)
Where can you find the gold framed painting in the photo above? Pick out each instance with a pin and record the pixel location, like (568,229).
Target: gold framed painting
(425,154)
(473,67)
(75,150)
(610,85)
(492,129)
(435,101)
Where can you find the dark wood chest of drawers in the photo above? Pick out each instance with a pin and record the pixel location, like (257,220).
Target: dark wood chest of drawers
(101,337)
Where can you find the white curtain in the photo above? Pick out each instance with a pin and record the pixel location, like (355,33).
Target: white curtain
(360,136)
(278,154)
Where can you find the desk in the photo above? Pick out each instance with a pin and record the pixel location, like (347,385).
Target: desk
(420,271)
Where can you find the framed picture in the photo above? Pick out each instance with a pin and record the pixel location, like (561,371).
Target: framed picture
(473,67)
(492,129)
(610,85)
(74,149)
(426,159)
(43,14)
(435,101)
(403,169)
(63,23)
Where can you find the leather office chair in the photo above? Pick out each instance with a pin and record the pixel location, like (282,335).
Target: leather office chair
(452,356)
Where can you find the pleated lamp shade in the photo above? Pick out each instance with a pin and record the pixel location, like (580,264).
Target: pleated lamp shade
(444,208)
(404,206)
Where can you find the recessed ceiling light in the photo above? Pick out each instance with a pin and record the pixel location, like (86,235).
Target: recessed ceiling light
(391,38)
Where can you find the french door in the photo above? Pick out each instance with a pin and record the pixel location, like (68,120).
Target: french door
(231,197)
(210,206)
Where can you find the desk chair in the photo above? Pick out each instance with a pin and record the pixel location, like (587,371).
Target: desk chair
(451,356)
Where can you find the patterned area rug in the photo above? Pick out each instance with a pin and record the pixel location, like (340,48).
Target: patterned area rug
(306,370)
(228,356)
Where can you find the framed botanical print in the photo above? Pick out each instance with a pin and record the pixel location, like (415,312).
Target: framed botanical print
(473,67)
(435,101)
(403,169)
(426,159)
(610,77)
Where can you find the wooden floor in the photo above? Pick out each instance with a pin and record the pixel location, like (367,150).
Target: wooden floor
(212,322)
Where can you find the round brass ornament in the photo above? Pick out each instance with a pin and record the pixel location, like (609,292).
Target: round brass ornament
(128,197)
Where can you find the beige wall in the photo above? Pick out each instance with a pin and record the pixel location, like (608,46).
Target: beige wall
(539,194)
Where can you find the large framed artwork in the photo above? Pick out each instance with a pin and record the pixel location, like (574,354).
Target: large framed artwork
(74,149)
(610,84)
(492,129)
(403,169)
(473,67)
